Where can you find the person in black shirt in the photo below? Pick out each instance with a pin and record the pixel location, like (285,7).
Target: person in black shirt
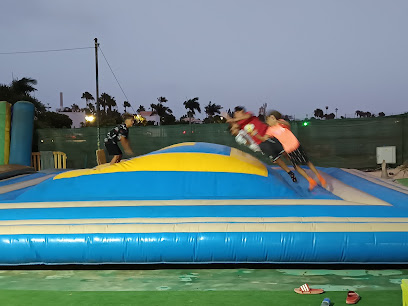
(119,134)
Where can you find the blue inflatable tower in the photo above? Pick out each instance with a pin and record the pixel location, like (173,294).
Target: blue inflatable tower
(22,124)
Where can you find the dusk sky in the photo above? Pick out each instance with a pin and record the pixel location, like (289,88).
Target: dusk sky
(294,55)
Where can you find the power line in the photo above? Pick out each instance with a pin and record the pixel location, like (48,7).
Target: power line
(127,99)
(43,51)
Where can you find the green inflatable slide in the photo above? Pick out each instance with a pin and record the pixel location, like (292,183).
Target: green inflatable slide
(5,119)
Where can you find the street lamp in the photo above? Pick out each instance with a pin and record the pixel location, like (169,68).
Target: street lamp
(90,118)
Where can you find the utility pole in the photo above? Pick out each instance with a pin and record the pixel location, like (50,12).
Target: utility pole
(97,94)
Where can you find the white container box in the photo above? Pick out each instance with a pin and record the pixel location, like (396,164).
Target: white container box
(386,153)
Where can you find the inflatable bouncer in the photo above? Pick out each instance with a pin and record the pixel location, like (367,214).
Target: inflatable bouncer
(200,203)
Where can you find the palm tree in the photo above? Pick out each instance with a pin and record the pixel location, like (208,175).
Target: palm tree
(141,109)
(103,100)
(318,113)
(111,103)
(126,104)
(212,109)
(92,108)
(161,110)
(20,90)
(192,105)
(23,86)
(75,108)
(162,100)
(88,97)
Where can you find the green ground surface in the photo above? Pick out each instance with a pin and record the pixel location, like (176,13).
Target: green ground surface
(197,286)
(403,181)
(170,298)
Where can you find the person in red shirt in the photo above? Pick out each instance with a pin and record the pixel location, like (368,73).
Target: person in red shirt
(252,125)
(280,129)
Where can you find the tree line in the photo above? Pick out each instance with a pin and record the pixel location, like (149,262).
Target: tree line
(318,113)
(23,89)
(109,110)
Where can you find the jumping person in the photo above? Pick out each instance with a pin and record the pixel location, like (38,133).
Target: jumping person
(271,147)
(280,129)
(119,134)
(243,138)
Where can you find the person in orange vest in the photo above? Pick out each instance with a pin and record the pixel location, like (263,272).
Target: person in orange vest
(280,129)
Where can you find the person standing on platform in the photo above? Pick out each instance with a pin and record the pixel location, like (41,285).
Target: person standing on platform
(120,134)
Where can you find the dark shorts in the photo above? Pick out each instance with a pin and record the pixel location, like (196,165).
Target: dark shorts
(113,148)
(272,148)
(298,157)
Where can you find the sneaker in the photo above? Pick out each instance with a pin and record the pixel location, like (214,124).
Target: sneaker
(312,184)
(292,176)
(322,181)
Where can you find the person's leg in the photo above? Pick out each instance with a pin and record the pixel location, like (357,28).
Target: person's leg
(298,157)
(286,168)
(319,176)
(312,182)
(116,152)
(116,159)
(302,158)
(274,150)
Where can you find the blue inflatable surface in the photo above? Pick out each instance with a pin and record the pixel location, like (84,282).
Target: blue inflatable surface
(200,203)
(21,138)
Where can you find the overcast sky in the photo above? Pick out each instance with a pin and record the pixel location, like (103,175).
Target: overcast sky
(294,55)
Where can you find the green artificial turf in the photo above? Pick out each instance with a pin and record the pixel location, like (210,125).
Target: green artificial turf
(179,298)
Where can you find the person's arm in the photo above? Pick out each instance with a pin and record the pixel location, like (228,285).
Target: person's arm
(256,135)
(230,119)
(263,138)
(123,137)
(284,123)
(125,144)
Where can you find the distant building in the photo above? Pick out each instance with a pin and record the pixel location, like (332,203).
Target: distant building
(149,116)
(76,117)
(193,120)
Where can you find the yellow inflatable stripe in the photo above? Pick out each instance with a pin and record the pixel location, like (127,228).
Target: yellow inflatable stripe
(191,162)
(139,203)
(203,228)
(179,145)
(246,158)
(247,220)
